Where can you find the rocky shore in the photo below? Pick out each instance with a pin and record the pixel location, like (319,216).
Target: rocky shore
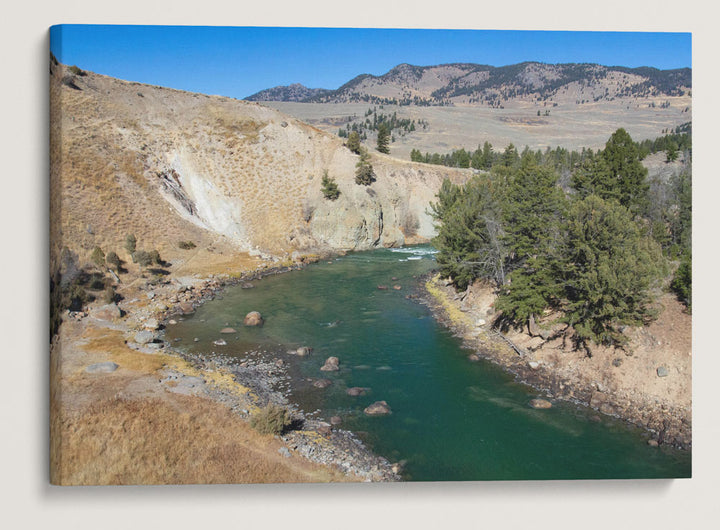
(647,385)
(244,385)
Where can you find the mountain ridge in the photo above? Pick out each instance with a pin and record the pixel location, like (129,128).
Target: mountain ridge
(478,84)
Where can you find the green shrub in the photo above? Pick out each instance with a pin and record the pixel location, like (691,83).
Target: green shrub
(271,419)
(77,71)
(364,174)
(142,258)
(113,260)
(98,257)
(186,245)
(681,283)
(130,243)
(329,187)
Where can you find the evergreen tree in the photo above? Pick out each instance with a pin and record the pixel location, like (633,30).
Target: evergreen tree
(329,187)
(608,269)
(510,156)
(98,257)
(353,142)
(383,139)
(533,213)
(616,173)
(113,260)
(130,243)
(627,173)
(364,173)
(470,233)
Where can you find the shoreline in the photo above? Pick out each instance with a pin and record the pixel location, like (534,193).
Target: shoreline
(664,423)
(242,387)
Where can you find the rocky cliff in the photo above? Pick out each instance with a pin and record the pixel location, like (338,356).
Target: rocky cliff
(169,165)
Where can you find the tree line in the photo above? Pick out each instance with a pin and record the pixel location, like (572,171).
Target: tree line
(592,253)
(561,159)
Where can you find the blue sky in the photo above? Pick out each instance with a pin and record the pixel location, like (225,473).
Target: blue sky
(239,61)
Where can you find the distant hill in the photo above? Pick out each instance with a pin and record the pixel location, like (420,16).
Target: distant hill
(294,92)
(483,85)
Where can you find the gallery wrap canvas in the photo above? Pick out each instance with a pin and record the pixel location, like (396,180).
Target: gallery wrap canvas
(368,255)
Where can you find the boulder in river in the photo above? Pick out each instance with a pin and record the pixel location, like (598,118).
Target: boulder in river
(322,383)
(356,391)
(540,403)
(220,342)
(253,318)
(186,308)
(228,330)
(331,365)
(303,351)
(335,420)
(379,408)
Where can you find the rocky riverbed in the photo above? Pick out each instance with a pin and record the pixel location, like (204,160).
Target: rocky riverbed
(260,378)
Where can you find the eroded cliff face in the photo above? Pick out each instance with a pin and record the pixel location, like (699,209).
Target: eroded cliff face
(176,165)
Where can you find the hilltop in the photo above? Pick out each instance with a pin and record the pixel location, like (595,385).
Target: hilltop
(495,87)
(231,176)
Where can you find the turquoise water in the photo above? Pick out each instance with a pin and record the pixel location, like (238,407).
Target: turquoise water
(451,419)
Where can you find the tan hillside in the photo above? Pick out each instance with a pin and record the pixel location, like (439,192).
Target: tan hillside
(229,175)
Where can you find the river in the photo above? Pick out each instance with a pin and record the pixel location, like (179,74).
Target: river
(451,419)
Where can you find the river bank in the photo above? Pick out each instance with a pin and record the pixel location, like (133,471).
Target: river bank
(648,384)
(114,377)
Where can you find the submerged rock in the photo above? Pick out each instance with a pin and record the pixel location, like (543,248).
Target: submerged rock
(379,408)
(322,383)
(253,318)
(540,403)
(331,365)
(303,351)
(356,391)
(228,330)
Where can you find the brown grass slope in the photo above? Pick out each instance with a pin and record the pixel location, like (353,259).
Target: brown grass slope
(169,165)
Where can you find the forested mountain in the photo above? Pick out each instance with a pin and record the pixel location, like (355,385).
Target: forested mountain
(475,84)
(294,92)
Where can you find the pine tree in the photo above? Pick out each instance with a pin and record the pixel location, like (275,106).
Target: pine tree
(364,173)
(470,231)
(353,142)
(130,243)
(383,139)
(533,213)
(98,257)
(609,267)
(329,187)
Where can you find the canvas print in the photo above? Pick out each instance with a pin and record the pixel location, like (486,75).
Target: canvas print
(368,255)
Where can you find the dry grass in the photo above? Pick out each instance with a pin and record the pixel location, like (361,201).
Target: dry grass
(124,428)
(183,441)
